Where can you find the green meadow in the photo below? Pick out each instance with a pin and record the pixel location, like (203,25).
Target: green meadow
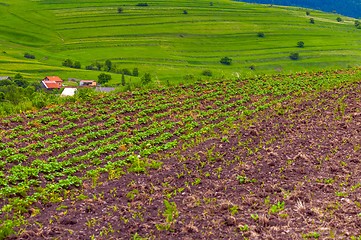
(171,39)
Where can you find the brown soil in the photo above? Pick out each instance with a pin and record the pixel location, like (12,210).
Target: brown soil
(287,174)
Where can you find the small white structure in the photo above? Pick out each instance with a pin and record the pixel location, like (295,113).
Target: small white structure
(88,83)
(5,78)
(68,92)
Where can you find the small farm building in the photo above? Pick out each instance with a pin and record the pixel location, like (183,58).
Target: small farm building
(5,78)
(68,92)
(89,83)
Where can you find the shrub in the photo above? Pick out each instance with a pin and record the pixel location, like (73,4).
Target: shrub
(120,9)
(339,19)
(76,65)
(126,71)
(142,4)
(91,67)
(18,76)
(260,34)
(294,56)
(147,78)
(207,72)
(21,82)
(85,93)
(252,67)
(308,13)
(300,44)
(357,24)
(67,63)
(226,61)
(312,20)
(185,12)
(29,56)
(188,77)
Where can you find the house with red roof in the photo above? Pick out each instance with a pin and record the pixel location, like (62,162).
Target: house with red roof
(52,82)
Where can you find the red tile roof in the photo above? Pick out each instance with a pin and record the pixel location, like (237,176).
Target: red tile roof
(53,78)
(51,85)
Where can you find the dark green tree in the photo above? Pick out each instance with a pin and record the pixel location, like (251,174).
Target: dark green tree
(185,12)
(226,61)
(135,72)
(300,44)
(123,79)
(120,10)
(312,20)
(104,78)
(108,65)
(339,19)
(21,82)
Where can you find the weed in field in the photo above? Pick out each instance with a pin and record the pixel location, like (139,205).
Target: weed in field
(255,216)
(243,228)
(278,207)
(234,209)
(244,179)
(132,194)
(170,213)
(311,235)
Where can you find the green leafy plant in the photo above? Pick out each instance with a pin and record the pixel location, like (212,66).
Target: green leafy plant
(243,228)
(170,213)
(278,207)
(311,235)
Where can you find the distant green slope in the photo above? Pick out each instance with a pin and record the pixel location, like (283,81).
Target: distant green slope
(164,41)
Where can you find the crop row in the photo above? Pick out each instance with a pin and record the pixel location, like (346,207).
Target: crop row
(43,153)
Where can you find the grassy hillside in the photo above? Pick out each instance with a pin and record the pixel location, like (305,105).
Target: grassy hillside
(275,158)
(164,41)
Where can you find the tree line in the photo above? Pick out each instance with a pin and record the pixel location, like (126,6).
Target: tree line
(350,8)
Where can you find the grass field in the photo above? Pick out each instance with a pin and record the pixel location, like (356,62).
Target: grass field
(169,44)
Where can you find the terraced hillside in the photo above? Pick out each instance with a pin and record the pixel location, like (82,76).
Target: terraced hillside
(170,39)
(273,157)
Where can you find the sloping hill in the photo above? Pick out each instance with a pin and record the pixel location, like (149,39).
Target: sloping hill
(161,39)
